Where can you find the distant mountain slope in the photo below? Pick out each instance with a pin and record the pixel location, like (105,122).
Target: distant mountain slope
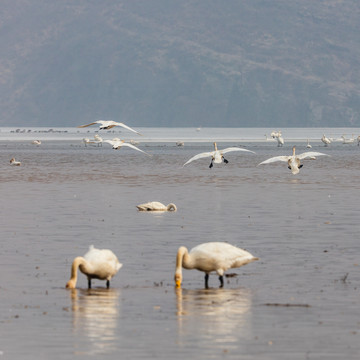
(180,63)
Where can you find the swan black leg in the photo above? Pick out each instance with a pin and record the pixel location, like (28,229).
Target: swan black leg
(107,284)
(206,281)
(89,283)
(211,164)
(221,278)
(225,161)
(301,166)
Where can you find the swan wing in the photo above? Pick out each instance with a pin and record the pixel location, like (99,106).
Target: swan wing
(275,159)
(200,156)
(93,123)
(124,126)
(135,148)
(310,154)
(224,151)
(111,142)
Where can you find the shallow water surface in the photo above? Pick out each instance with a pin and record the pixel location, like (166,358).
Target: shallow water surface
(299,301)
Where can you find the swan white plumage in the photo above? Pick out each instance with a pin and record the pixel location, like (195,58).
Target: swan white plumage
(117,144)
(280,140)
(14,162)
(217,156)
(347,141)
(156,206)
(209,257)
(308,144)
(36,142)
(109,124)
(293,160)
(325,140)
(99,264)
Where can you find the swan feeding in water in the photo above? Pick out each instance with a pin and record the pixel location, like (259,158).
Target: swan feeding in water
(156,206)
(217,156)
(109,124)
(95,264)
(117,144)
(293,160)
(209,257)
(14,162)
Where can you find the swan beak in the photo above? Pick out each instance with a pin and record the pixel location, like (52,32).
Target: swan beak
(178,284)
(70,285)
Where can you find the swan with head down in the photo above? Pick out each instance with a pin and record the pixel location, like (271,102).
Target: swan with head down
(209,257)
(99,264)
(156,206)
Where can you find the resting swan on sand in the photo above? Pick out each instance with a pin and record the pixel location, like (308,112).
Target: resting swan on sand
(109,124)
(156,206)
(217,156)
(293,160)
(208,257)
(14,162)
(95,264)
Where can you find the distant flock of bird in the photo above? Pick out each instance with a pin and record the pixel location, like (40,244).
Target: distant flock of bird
(208,257)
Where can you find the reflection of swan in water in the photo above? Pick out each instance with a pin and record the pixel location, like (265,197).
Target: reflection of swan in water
(95,315)
(216,316)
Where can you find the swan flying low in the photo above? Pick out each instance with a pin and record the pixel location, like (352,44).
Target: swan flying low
(293,160)
(118,144)
(217,156)
(109,124)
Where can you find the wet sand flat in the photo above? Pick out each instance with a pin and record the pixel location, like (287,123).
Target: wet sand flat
(299,301)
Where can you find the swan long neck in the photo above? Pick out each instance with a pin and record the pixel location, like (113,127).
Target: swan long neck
(78,262)
(293,149)
(182,259)
(215,146)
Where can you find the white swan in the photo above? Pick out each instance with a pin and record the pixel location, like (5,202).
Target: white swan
(280,140)
(156,206)
(208,257)
(118,144)
(217,156)
(275,134)
(109,124)
(325,140)
(95,264)
(14,162)
(293,160)
(347,141)
(308,144)
(36,142)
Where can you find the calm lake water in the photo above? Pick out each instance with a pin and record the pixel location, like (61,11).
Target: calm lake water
(299,301)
